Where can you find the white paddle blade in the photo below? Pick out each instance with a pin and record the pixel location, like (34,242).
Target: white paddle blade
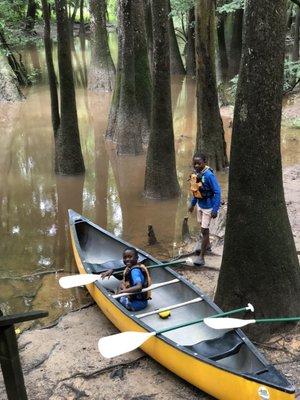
(227,323)
(67,282)
(115,345)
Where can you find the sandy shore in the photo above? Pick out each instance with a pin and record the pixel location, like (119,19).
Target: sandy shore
(62,362)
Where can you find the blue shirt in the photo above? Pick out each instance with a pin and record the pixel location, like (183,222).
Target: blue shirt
(136,277)
(209,182)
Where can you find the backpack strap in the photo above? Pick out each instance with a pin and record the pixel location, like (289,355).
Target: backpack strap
(145,272)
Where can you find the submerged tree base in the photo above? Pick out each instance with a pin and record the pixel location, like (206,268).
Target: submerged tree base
(9,87)
(100,79)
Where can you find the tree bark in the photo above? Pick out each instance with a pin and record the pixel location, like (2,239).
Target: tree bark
(143,92)
(176,63)
(210,132)
(16,66)
(160,178)
(102,69)
(82,27)
(68,156)
(30,15)
(9,87)
(223,59)
(190,45)
(148,19)
(50,67)
(236,42)
(129,114)
(259,262)
(289,16)
(128,136)
(295,54)
(73,16)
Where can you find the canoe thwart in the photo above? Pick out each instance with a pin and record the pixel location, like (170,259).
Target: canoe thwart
(172,307)
(152,287)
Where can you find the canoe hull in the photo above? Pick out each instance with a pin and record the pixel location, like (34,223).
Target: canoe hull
(219,383)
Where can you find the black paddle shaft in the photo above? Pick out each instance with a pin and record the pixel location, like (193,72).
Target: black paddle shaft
(9,353)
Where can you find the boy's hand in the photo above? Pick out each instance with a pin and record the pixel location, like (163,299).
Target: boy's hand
(107,274)
(214,214)
(191,209)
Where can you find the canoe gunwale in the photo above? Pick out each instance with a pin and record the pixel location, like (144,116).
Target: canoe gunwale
(75,218)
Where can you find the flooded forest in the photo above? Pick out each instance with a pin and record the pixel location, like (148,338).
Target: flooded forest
(103,105)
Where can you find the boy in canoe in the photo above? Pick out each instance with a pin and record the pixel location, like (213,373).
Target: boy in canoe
(135,278)
(207,197)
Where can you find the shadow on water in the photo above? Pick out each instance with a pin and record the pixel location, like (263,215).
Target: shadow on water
(34,202)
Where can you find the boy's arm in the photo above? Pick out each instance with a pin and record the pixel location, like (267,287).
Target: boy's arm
(216,189)
(192,205)
(137,279)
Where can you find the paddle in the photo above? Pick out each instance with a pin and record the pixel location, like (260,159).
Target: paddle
(232,323)
(71,281)
(120,343)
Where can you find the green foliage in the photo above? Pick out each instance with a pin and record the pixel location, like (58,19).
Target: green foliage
(11,12)
(230,7)
(291,79)
(227,91)
(180,7)
(33,75)
(111,8)
(291,74)
(296,123)
(12,18)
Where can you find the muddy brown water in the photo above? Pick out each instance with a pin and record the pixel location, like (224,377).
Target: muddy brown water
(34,202)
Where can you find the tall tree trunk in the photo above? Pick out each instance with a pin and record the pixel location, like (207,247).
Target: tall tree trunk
(102,69)
(259,261)
(127,126)
(176,63)
(73,16)
(210,132)
(143,92)
(30,15)
(50,67)
(148,19)
(236,42)
(190,46)
(128,121)
(82,27)
(68,156)
(223,60)
(289,16)
(160,178)
(297,35)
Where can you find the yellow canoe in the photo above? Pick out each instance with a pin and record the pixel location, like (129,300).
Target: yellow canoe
(224,364)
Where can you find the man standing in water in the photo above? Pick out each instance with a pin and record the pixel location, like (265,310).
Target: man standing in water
(207,198)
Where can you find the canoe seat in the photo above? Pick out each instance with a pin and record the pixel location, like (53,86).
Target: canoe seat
(111,264)
(218,348)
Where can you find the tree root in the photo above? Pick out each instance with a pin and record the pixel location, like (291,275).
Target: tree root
(102,371)
(50,271)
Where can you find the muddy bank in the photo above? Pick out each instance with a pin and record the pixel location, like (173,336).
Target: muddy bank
(62,362)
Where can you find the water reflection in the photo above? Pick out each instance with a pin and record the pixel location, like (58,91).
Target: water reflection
(34,202)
